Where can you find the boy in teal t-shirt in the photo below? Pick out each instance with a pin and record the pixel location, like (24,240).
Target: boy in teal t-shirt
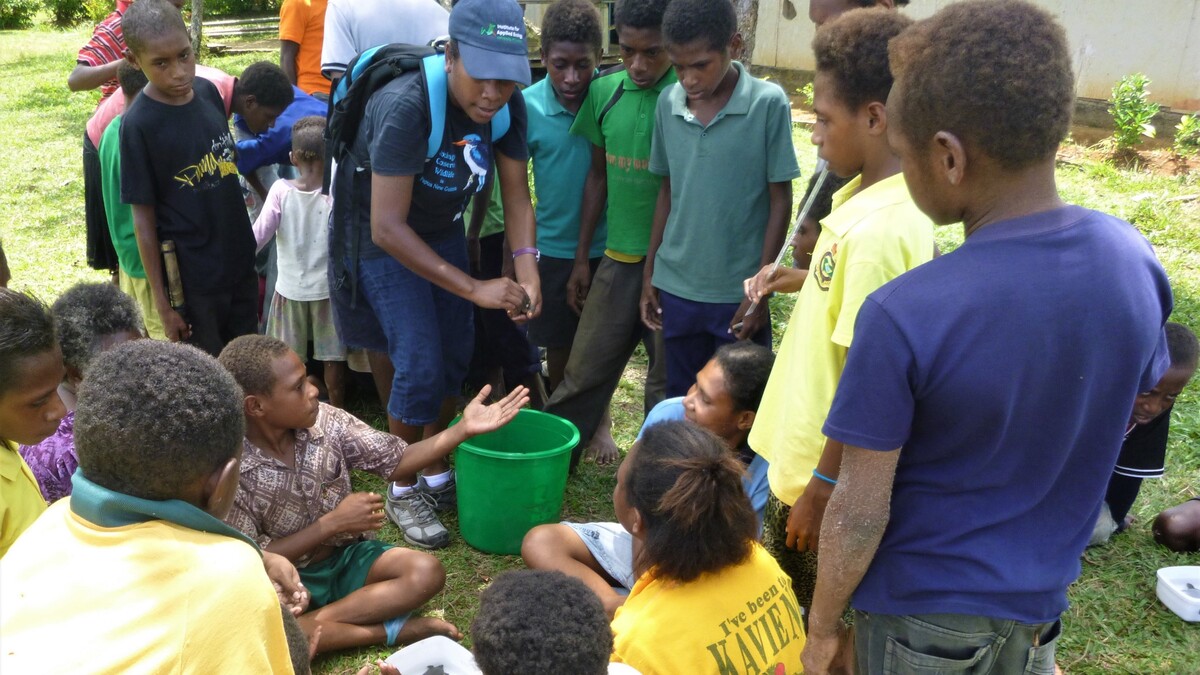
(723,146)
(131,274)
(571,40)
(617,117)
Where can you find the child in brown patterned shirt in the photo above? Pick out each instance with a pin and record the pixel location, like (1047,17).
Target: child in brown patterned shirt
(295,499)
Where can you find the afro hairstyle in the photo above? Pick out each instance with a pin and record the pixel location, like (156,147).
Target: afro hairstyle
(995,73)
(250,359)
(639,13)
(131,78)
(87,313)
(267,83)
(539,622)
(147,20)
(1181,345)
(26,329)
(308,138)
(746,367)
(571,21)
(155,417)
(711,22)
(853,50)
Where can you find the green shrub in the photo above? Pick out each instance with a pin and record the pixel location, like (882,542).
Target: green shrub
(97,10)
(66,13)
(17,13)
(1132,110)
(807,91)
(230,8)
(1187,135)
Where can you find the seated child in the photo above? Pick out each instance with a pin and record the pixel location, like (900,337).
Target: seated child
(296,209)
(362,590)
(1144,452)
(90,318)
(533,622)
(1178,528)
(31,368)
(723,400)
(136,566)
(699,566)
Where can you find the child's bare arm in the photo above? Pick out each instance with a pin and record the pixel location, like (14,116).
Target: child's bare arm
(651,312)
(146,230)
(595,195)
(288,51)
(478,418)
(357,513)
(85,78)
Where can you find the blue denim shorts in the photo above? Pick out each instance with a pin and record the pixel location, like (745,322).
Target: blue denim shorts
(428,332)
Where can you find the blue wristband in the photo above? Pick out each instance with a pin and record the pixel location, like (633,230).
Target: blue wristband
(827,479)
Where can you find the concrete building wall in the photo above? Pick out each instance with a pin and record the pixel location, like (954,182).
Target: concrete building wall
(1109,38)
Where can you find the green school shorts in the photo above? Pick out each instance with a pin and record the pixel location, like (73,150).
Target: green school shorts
(342,573)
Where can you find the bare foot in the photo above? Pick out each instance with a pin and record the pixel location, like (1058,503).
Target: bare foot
(603,448)
(420,627)
(384,667)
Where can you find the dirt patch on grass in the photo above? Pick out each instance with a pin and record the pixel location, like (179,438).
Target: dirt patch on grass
(1159,162)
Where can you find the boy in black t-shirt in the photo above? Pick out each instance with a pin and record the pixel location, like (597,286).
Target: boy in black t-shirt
(178,174)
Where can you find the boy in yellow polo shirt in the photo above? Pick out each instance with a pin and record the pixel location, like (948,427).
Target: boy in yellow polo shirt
(874,234)
(135,572)
(31,368)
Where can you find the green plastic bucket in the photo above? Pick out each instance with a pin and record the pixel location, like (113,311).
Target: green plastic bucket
(512,479)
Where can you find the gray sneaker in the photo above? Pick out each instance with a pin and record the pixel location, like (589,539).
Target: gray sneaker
(445,498)
(413,514)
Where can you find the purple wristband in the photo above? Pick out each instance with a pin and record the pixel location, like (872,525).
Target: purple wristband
(537,255)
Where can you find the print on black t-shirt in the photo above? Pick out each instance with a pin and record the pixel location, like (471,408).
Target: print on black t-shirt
(442,172)
(212,167)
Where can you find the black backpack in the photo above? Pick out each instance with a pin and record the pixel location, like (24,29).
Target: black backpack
(366,74)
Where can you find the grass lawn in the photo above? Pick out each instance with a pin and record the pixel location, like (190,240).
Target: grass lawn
(1115,623)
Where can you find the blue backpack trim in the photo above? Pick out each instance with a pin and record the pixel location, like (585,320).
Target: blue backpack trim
(436,86)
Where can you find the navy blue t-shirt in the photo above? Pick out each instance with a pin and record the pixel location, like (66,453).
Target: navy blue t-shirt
(1006,371)
(394,134)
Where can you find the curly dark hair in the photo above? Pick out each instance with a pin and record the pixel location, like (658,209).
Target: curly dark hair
(308,138)
(147,20)
(1182,345)
(88,312)
(250,358)
(268,85)
(746,367)
(713,22)
(26,329)
(539,622)
(688,488)
(571,21)
(853,50)
(638,13)
(155,417)
(132,79)
(995,73)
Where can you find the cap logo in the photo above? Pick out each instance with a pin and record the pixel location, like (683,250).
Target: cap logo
(503,32)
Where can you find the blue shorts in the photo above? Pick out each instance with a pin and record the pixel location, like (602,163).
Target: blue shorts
(428,332)
(692,332)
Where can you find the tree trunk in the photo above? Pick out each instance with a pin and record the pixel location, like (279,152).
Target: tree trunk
(197,25)
(747,14)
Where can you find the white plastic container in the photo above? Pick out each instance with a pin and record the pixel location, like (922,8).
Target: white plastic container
(1179,590)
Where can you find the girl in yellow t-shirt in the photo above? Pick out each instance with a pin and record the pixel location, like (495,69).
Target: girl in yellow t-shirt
(708,598)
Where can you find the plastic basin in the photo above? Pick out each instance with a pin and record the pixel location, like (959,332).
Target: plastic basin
(512,479)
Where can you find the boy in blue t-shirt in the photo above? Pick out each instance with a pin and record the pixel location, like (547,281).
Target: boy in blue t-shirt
(983,403)
(571,52)
(728,223)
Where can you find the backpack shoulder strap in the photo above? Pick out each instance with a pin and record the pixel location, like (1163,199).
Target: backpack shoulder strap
(500,123)
(616,96)
(434,68)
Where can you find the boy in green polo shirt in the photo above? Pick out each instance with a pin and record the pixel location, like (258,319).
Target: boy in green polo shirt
(131,274)
(723,146)
(874,234)
(617,117)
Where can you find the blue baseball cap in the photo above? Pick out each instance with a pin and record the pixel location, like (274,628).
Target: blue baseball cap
(490,35)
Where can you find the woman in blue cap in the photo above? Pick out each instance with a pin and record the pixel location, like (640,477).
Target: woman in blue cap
(400,283)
